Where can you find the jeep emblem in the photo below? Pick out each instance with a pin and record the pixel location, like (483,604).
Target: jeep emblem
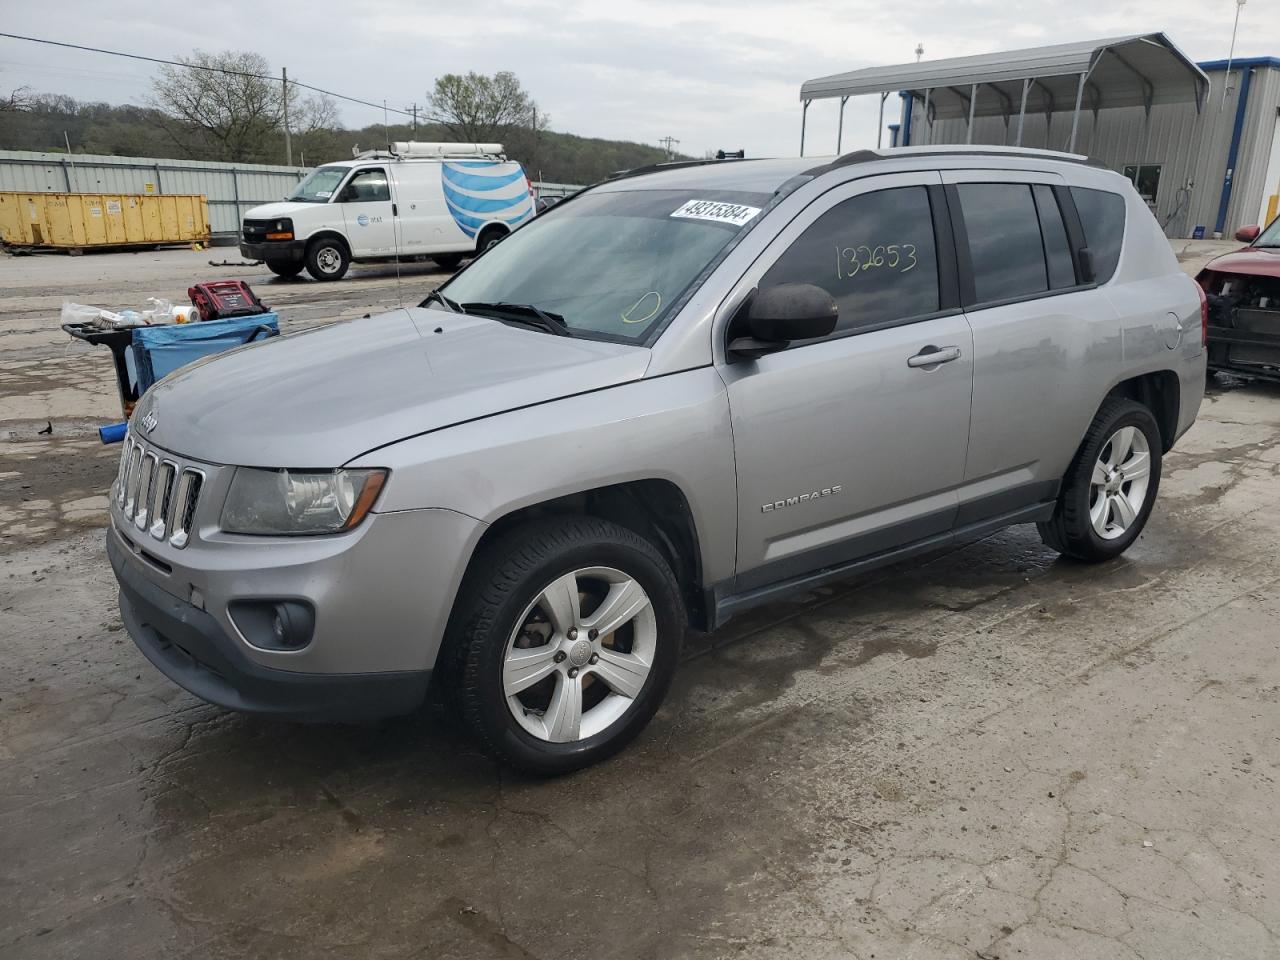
(150,421)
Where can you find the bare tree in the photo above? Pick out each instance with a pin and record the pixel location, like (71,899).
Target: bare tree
(227,106)
(19,100)
(476,108)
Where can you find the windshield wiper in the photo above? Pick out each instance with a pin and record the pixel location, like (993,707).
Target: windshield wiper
(525,313)
(440,298)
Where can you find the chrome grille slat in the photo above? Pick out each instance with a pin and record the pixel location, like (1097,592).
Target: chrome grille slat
(146,489)
(133,476)
(184,506)
(165,477)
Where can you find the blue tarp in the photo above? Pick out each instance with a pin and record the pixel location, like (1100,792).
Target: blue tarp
(158,351)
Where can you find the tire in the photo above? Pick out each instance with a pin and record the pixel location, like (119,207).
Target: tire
(488,238)
(504,609)
(1090,522)
(449,261)
(285,268)
(327,259)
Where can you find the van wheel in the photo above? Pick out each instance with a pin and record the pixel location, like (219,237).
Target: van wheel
(488,238)
(1111,486)
(327,259)
(285,268)
(563,643)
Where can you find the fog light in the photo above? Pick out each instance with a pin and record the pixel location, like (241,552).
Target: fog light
(275,624)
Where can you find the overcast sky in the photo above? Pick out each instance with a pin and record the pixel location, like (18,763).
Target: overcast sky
(711,73)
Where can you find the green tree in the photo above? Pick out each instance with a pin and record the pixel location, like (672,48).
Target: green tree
(477,108)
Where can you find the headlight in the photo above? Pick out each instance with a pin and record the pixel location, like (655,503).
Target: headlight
(280,230)
(292,503)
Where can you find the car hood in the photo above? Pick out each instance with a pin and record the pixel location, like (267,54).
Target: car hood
(323,397)
(1251,261)
(282,208)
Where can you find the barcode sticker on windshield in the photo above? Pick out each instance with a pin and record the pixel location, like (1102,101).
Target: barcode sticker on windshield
(734,213)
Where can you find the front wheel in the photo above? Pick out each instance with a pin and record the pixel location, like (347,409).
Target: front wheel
(564,643)
(285,268)
(327,259)
(1111,486)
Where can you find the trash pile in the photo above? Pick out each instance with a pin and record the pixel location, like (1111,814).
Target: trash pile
(156,311)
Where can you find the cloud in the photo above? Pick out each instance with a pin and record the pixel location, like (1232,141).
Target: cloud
(711,73)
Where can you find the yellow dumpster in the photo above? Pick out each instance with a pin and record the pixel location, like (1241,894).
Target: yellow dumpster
(77,221)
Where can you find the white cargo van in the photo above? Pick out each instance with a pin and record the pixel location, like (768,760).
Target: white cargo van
(443,200)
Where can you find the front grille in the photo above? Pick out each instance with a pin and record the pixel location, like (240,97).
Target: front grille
(156,494)
(255,231)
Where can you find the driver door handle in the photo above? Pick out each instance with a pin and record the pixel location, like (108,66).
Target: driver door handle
(931,356)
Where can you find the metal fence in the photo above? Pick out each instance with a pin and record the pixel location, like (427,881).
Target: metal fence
(231,188)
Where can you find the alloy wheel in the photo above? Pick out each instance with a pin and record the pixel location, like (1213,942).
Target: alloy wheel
(1118,486)
(580,654)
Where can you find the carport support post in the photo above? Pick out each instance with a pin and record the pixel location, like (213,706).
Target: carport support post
(924,123)
(1075,115)
(1022,109)
(804,114)
(973,103)
(880,129)
(840,126)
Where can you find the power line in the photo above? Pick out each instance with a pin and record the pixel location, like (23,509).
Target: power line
(197,66)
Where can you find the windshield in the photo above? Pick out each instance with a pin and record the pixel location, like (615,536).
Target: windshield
(319,185)
(611,264)
(1269,237)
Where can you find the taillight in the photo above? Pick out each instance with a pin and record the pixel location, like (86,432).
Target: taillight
(529,183)
(1204,316)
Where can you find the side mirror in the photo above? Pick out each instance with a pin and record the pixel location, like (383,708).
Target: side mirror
(347,194)
(1248,234)
(775,316)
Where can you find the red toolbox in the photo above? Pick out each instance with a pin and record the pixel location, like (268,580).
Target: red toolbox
(221,299)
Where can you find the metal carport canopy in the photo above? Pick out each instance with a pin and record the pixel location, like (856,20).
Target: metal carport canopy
(1137,70)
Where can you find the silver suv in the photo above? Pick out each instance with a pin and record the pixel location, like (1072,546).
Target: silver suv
(682,393)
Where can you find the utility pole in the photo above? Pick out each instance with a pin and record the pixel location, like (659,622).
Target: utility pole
(668,142)
(288,143)
(1231,55)
(919,51)
(413,109)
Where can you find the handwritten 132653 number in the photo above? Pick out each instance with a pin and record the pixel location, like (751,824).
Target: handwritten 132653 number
(851,261)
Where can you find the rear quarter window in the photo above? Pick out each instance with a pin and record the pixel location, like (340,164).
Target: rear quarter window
(1102,217)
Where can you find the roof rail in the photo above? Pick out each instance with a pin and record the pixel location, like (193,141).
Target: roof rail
(1031,153)
(670,165)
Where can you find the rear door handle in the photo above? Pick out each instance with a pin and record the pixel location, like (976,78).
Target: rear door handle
(931,356)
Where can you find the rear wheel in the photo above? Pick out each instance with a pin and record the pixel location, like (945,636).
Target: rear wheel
(1111,486)
(564,645)
(488,238)
(285,268)
(327,259)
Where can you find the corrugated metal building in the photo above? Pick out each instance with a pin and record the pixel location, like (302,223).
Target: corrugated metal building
(232,188)
(1201,160)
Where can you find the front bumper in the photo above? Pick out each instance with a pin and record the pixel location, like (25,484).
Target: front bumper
(193,650)
(290,251)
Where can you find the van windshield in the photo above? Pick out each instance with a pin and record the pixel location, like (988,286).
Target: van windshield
(612,265)
(319,185)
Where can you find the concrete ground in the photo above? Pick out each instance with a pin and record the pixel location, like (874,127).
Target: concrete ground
(989,753)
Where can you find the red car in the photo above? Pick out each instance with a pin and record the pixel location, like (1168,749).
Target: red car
(1243,290)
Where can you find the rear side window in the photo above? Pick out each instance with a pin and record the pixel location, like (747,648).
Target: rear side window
(1102,217)
(1004,240)
(874,253)
(1057,250)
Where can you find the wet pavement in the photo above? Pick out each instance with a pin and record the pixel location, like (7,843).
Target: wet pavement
(991,752)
